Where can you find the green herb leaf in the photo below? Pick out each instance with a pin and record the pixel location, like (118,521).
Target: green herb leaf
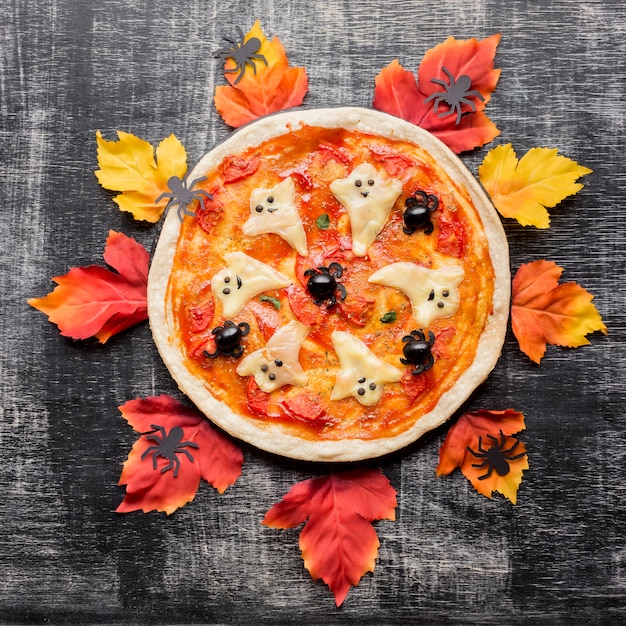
(274,301)
(323,221)
(388,317)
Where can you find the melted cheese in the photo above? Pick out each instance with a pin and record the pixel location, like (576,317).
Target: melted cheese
(277,363)
(362,374)
(368,199)
(433,294)
(274,211)
(242,279)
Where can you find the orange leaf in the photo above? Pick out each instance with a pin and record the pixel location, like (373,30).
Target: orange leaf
(96,302)
(420,101)
(338,542)
(480,444)
(544,311)
(177,448)
(261,89)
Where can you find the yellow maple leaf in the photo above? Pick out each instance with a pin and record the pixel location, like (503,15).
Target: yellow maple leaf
(130,165)
(522,189)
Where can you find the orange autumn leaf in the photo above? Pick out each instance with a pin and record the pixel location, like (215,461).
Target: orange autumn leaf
(338,542)
(522,189)
(94,301)
(266,85)
(546,312)
(480,443)
(132,166)
(467,64)
(178,447)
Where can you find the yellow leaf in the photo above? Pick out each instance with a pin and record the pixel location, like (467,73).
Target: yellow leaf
(522,189)
(129,165)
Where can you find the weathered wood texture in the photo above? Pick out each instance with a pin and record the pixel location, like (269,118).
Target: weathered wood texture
(71,67)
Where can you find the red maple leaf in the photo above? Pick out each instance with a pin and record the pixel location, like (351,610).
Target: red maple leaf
(544,311)
(466,63)
(94,301)
(178,447)
(338,542)
(468,445)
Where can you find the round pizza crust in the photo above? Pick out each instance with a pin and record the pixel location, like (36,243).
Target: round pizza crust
(272,437)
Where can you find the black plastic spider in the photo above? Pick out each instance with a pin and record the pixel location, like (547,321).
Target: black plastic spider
(242,53)
(454,95)
(183,195)
(419,206)
(168,445)
(228,339)
(496,457)
(417,352)
(322,284)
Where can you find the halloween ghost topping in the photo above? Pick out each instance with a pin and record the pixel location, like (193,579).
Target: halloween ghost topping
(433,293)
(274,211)
(368,199)
(242,279)
(277,363)
(362,374)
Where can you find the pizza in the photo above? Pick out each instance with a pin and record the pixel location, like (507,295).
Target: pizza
(339,286)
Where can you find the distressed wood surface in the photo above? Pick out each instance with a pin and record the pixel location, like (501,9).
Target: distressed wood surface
(71,67)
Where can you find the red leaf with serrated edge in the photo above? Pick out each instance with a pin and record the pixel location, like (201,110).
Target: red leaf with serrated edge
(178,447)
(94,301)
(544,311)
(338,542)
(468,444)
(467,62)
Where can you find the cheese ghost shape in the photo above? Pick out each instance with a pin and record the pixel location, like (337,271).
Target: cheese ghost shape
(242,279)
(274,211)
(368,200)
(433,293)
(362,374)
(277,363)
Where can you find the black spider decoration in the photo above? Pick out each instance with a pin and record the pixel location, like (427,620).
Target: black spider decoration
(228,339)
(168,446)
(417,352)
(243,53)
(496,457)
(183,195)
(455,94)
(323,285)
(419,206)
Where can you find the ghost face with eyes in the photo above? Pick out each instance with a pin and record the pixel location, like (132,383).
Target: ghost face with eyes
(274,211)
(368,199)
(433,294)
(241,280)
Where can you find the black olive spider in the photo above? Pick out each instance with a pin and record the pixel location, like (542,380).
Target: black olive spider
(419,206)
(228,339)
(322,284)
(183,195)
(455,94)
(243,53)
(417,352)
(168,446)
(496,457)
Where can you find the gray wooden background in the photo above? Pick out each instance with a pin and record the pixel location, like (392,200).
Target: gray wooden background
(71,67)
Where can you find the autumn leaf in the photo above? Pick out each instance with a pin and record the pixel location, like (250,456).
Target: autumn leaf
(178,447)
(338,542)
(93,301)
(265,87)
(522,189)
(131,166)
(419,100)
(544,311)
(480,443)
